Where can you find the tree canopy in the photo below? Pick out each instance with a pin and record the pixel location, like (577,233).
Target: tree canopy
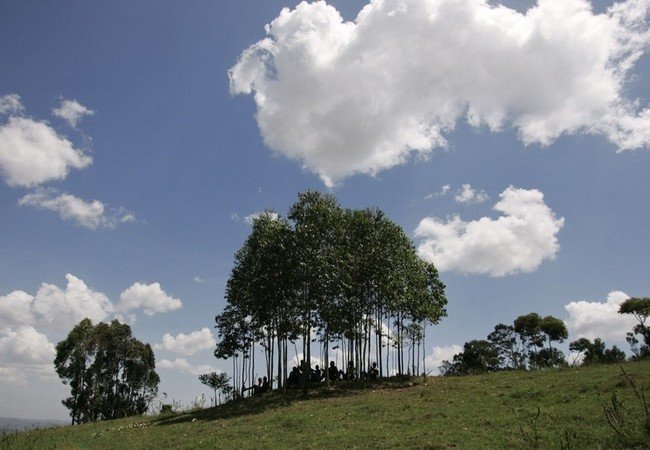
(639,308)
(347,280)
(111,374)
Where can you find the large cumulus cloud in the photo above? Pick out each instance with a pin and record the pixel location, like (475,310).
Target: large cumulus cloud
(359,97)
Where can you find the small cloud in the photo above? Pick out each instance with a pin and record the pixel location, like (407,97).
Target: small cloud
(72,112)
(249,219)
(235,217)
(11,104)
(32,153)
(182,365)
(188,344)
(466,194)
(93,214)
(443,191)
(150,297)
(198,279)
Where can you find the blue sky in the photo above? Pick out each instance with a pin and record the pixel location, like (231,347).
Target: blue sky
(181,155)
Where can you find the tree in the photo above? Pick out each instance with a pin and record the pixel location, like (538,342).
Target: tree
(640,309)
(596,352)
(528,328)
(332,276)
(553,329)
(111,374)
(478,356)
(218,382)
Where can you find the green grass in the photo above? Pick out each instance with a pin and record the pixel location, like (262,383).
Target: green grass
(511,409)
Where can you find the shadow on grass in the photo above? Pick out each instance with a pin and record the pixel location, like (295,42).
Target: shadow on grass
(276,399)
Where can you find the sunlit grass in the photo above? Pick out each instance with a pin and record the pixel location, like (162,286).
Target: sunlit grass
(488,411)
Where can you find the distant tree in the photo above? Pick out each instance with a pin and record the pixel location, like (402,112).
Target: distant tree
(512,355)
(478,356)
(218,382)
(640,309)
(596,352)
(529,329)
(554,330)
(111,374)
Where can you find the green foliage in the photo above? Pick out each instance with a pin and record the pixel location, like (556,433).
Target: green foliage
(111,374)
(629,420)
(596,352)
(218,382)
(640,309)
(516,346)
(339,274)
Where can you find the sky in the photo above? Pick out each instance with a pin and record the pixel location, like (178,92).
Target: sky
(137,140)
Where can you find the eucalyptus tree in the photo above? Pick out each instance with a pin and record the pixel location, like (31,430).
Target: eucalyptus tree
(316,220)
(639,308)
(218,382)
(327,274)
(111,374)
(528,328)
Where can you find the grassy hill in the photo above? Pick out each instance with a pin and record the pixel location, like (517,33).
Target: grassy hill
(548,409)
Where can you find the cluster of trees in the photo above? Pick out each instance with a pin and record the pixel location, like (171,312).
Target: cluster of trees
(219,383)
(528,344)
(347,279)
(111,374)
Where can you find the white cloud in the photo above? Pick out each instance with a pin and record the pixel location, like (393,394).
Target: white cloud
(251,217)
(188,344)
(466,194)
(16,309)
(26,346)
(61,309)
(363,96)
(72,112)
(10,104)
(198,279)
(150,297)
(32,152)
(440,354)
(182,365)
(92,215)
(518,241)
(595,319)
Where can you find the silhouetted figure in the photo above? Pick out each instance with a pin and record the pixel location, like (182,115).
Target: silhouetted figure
(264,387)
(333,371)
(350,374)
(294,377)
(256,387)
(374,372)
(316,375)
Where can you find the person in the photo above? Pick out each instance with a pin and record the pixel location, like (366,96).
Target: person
(264,387)
(316,375)
(294,377)
(333,371)
(374,372)
(256,387)
(350,373)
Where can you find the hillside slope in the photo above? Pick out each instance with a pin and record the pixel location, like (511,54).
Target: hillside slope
(511,409)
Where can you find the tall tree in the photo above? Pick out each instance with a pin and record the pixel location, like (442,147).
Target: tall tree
(639,308)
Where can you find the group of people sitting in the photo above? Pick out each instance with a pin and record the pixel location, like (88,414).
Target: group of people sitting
(318,375)
(261,387)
